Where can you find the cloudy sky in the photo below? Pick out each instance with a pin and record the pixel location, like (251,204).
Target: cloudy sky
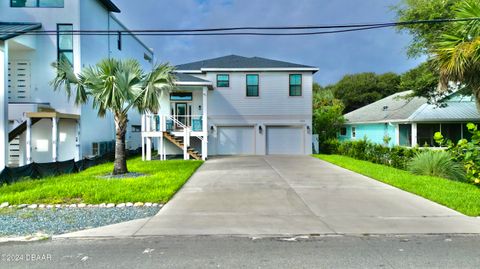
(336,55)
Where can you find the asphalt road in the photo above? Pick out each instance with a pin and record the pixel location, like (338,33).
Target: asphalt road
(434,251)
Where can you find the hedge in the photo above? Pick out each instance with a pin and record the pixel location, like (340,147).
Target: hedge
(397,156)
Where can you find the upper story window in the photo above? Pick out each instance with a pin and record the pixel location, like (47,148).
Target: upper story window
(65,42)
(223,80)
(36,3)
(252,85)
(295,85)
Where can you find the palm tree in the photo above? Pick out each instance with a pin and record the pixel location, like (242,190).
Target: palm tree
(116,86)
(456,54)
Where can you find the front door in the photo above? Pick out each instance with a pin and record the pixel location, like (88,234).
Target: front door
(181,113)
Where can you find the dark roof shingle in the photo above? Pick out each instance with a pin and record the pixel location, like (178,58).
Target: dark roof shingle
(235,61)
(12,29)
(180,77)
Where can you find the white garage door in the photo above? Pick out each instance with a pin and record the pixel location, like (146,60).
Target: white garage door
(285,140)
(236,140)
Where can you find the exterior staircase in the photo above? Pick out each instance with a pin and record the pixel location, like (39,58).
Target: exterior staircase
(177,141)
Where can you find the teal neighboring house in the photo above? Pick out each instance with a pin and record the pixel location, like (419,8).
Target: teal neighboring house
(410,121)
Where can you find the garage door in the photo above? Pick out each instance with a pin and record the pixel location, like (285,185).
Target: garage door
(285,140)
(236,140)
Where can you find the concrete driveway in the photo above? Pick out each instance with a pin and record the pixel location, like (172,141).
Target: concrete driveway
(292,195)
(273,195)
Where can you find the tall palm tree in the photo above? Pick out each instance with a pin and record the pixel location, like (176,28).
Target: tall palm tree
(456,54)
(116,86)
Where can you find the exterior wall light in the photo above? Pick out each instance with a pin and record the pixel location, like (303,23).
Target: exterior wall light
(308,128)
(260,129)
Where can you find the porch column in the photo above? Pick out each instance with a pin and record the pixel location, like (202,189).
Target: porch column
(414,135)
(78,154)
(54,139)
(397,134)
(28,141)
(3,104)
(149,149)
(205,124)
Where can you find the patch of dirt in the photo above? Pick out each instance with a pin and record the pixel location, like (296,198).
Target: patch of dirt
(124,176)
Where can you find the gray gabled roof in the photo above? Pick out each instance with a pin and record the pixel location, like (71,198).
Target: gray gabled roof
(235,62)
(394,108)
(180,77)
(12,29)
(391,108)
(455,111)
(110,6)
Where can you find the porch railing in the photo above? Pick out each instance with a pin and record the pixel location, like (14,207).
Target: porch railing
(168,123)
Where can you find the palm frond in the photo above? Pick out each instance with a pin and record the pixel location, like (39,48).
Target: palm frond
(67,80)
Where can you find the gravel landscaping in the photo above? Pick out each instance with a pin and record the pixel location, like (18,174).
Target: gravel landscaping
(26,221)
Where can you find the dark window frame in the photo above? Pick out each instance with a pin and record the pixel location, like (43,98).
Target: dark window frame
(290,86)
(136,128)
(227,81)
(37,5)
(181,94)
(60,50)
(257,86)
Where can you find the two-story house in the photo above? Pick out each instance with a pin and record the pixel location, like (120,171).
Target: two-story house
(234,105)
(38,124)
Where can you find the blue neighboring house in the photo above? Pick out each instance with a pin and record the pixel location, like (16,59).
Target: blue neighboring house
(410,121)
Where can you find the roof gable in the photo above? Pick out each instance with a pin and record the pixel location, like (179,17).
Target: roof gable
(236,62)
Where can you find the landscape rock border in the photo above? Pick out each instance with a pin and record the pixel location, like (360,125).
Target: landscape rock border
(81,205)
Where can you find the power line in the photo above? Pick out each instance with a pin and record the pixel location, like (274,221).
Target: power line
(234,30)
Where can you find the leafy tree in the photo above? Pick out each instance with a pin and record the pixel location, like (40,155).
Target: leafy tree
(424,35)
(316,88)
(327,115)
(423,81)
(116,86)
(456,53)
(361,89)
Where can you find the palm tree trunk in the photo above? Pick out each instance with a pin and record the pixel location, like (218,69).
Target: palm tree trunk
(120,164)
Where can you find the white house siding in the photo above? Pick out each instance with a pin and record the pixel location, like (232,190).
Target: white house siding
(273,107)
(45,51)
(88,50)
(96,48)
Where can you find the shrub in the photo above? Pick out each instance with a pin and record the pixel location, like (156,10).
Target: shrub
(436,163)
(465,152)
(329,146)
(397,157)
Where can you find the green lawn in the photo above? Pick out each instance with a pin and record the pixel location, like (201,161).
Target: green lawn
(459,196)
(162,180)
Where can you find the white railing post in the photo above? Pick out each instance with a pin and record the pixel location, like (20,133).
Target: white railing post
(148,124)
(55,139)
(28,141)
(205,124)
(185,144)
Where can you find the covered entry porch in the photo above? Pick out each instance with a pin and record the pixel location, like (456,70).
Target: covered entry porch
(180,127)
